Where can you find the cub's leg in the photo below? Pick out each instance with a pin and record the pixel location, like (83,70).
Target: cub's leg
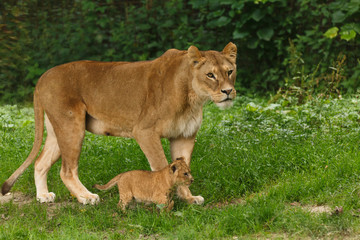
(69,127)
(170,206)
(183,147)
(164,199)
(184,193)
(125,196)
(49,155)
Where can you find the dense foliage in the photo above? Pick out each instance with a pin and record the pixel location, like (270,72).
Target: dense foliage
(37,35)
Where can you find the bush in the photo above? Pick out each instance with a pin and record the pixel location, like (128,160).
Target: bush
(37,35)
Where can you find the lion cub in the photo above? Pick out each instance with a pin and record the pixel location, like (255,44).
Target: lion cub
(147,186)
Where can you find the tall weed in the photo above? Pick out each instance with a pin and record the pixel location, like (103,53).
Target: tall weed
(300,86)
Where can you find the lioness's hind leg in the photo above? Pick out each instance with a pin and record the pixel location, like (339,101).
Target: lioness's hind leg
(49,155)
(70,132)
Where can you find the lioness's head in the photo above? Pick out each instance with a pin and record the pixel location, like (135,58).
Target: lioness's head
(180,172)
(214,74)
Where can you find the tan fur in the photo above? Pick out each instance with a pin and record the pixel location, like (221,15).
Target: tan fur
(148,100)
(146,186)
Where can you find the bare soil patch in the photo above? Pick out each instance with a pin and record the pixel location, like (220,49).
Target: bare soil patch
(318,209)
(16,197)
(22,199)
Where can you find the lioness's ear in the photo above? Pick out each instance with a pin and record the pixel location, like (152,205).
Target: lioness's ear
(230,50)
(195,56)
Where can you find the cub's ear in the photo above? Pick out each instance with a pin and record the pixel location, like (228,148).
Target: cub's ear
(230,51)
(195,56)
(180,158)
(173,168)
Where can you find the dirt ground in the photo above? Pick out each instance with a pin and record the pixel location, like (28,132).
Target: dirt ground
(16,197)
(20,199)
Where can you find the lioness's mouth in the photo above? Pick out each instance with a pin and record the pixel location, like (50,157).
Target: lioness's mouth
(226,100)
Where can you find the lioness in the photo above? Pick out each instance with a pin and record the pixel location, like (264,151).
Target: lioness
(146,186)
(147,100)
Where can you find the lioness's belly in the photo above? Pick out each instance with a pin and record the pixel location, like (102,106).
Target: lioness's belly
(184,126)
(102,128)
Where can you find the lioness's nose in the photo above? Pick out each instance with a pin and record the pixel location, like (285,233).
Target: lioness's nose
(226,91)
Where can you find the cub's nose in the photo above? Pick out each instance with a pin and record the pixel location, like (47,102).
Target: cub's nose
(226,91)
(192,180)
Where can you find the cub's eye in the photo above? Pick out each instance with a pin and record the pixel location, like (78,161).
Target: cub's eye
(210,75)
(185,174)
(230,72)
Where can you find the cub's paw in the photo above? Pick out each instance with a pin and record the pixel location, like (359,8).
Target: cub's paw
(46,197)
(91,199)
(196,200)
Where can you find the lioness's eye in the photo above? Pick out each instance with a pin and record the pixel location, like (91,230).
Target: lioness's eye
(230,72)
(210,75)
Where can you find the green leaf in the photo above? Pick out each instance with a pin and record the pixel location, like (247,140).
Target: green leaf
(357,28)
(353,7)
(258,14)
(252,107)
(168,23)
(338,17)
(351,26)
(260,1)
(222,21)
(239,35)
(331,32)
(348,35)
(265,33)
(160,206)
(178,214)
(253,43)
(196,4)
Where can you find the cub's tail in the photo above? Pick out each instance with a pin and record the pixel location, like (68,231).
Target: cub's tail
(110,184)
(39,131)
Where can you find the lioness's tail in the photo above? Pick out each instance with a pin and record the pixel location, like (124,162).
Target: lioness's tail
(39,131)
(110,184)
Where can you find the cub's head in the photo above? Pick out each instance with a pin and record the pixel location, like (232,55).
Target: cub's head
(180,172)
(214,74)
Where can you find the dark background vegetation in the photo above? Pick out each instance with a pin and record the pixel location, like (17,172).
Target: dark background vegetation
(279,41)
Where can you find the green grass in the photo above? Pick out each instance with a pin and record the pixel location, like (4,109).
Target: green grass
(268,156)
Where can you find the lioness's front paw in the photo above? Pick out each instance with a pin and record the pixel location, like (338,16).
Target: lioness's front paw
(89,199)
(196,200)
(46,197)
